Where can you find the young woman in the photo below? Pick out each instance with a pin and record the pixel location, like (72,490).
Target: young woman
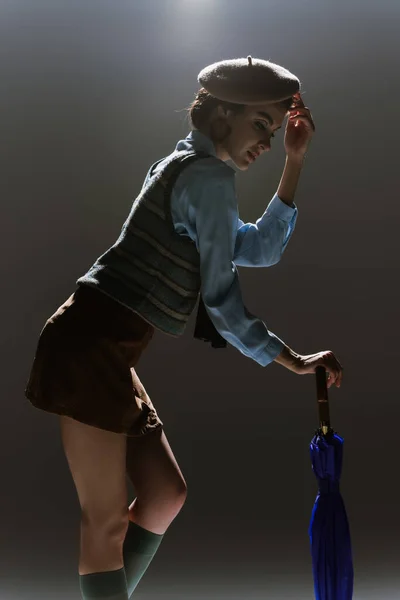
(183,236)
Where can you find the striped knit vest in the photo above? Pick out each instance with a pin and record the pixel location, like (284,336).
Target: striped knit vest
(152,269)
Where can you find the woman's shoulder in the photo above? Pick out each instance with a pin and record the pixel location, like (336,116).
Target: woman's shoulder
(208,168)
(208,175)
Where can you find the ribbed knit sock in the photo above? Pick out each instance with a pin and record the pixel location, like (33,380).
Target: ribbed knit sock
(108,585)
(140,547)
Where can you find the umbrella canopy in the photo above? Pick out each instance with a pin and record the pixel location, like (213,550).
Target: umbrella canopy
(329,528)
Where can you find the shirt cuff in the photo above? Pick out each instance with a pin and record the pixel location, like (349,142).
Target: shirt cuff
(281,210)
(271,350)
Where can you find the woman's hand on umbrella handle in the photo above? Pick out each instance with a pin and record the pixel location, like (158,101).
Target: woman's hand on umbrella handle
(308,363)
(303,364)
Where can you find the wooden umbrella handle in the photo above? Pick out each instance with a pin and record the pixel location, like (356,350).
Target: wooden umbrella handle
(322,398)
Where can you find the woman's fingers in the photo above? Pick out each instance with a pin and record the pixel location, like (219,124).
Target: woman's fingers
(333,378)
(298,100)
(299,107)
(305,116)
(303,110)
(335,371)
(305,119)
(325,359)
(332,366)
(339,379)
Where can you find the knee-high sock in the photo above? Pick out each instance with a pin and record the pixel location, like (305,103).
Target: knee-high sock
(107,585)
(140,547)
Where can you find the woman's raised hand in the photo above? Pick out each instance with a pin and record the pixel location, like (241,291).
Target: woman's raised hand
(300,129)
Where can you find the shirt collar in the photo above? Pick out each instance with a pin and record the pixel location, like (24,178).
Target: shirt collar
(197,141)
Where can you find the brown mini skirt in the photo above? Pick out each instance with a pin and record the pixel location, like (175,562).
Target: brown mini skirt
(84,365)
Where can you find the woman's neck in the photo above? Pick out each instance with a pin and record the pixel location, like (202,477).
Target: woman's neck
(218,144)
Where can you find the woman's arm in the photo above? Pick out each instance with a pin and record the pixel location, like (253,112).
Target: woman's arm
(299,132)
(261,244)
(290,178)
(208,210)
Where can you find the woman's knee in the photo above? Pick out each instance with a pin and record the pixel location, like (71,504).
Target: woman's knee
(171,496)
(157,511)
(101,549)
(153,469)
(175,495)
(111,526)
(181,492)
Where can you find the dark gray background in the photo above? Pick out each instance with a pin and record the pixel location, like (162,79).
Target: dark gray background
(92,93)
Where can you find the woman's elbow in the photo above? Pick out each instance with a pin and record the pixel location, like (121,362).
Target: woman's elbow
(272,259)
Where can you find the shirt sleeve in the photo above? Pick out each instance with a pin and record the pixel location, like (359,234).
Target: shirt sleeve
(261,244)
(205,193)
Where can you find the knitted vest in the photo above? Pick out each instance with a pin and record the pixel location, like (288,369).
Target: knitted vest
(152,269)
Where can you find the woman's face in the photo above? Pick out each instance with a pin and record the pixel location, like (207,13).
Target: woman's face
(249,133)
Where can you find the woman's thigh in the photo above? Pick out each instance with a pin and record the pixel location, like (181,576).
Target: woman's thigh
(158,481)
(96,459)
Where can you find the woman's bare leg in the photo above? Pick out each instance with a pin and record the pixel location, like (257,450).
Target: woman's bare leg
(97,461)
(160,494)
(158,481)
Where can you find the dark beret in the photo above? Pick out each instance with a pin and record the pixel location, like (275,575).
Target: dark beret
(248,81)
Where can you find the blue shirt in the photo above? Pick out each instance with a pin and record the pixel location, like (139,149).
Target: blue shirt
(204,207)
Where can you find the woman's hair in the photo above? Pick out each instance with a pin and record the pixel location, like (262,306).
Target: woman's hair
(204,103)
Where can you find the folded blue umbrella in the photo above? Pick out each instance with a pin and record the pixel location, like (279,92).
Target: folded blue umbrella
(329,531)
